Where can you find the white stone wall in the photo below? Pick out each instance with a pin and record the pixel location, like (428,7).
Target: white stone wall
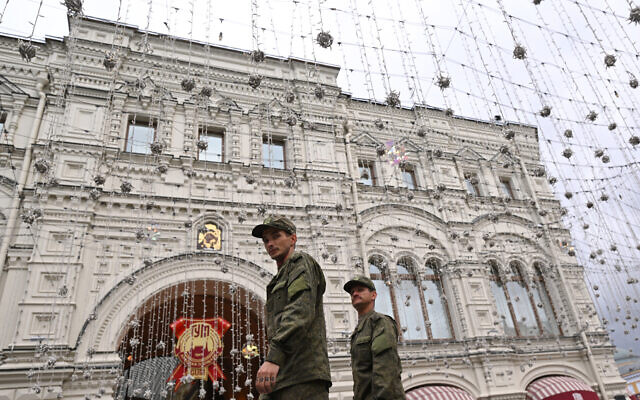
(88,246)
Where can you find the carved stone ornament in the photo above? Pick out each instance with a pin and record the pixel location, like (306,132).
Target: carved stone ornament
(126,187)
(42,166)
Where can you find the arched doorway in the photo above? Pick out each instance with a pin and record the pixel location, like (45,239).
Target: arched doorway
(560,388)
(148,342)
(438,392)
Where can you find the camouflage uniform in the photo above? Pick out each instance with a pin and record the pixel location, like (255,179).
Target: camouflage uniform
(374,354)
(296,330)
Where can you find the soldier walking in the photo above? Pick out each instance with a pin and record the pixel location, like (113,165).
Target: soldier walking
(374,347)
(297,363)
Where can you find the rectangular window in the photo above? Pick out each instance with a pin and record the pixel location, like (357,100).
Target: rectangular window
(505,186)
(367,176)
(273,153)
(214,138)
(3,120)
(409,177)
(141,132)
(472,183)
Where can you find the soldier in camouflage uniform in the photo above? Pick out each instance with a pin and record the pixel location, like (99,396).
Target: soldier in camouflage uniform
(374,347)
(297,363)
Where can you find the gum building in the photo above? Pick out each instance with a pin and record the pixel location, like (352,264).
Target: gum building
(134,165)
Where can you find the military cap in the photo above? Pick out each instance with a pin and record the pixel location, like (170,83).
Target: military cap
(359,280)
(274,221)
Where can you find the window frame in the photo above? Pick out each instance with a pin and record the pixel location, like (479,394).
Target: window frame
(411,170)
(216,131)
(4,115)
(468,176)
(271,141)
(370,165)
(143,121)
(512,277)
(506,182)
(538,280)
(417,279)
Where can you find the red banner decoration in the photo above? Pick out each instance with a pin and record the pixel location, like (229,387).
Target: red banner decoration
(199,345)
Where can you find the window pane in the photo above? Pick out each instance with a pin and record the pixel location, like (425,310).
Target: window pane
(505,185)
(545,311)
(273,155)
(214,148)
(503,309)
(410,310)
(409,179)
(373,268)
(522,308)
(366,175)
(471,188)
(139,137)
(433,296)
(383,301)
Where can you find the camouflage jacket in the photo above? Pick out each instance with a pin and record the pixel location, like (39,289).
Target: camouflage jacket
(295,322)
(374,359)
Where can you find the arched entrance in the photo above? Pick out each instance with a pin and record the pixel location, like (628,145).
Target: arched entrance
(560,388)
(438,392)
(147,343)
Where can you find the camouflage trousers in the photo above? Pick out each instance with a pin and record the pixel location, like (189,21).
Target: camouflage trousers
(314,390)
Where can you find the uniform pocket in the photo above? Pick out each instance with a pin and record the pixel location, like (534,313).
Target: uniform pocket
(278,298)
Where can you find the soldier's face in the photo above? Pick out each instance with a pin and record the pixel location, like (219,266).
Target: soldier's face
(362,296)
(278,243)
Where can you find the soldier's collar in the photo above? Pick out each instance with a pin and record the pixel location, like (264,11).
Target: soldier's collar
(363,318)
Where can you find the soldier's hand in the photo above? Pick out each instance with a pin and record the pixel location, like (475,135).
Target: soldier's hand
(266,380)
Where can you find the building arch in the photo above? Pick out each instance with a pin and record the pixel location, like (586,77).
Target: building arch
(109,318)
(420,379)
(553,370)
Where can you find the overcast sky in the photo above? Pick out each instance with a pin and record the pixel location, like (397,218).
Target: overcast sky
(472,43)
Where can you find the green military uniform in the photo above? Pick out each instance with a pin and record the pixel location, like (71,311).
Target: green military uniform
(295,323)
(374,355)
(296,327)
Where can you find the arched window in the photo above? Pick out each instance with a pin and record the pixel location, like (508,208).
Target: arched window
(522,302)
(543,305)
(505,311)
(409,301)
(379,277)
(435,302)
(529,307)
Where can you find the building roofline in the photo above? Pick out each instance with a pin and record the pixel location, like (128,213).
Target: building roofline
(208,44)
(434,108)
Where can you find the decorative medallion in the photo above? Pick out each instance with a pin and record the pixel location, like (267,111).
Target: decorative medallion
(209,237)
(198,347)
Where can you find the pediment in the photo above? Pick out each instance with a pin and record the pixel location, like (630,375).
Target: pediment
(147,87)
(365,139)
(503,158)
(410,145)
(469,154)
(8,87)
(273,107)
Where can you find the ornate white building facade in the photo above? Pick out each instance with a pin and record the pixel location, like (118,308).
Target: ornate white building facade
(116,220)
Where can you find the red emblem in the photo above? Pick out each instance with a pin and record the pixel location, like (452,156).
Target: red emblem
(199,345)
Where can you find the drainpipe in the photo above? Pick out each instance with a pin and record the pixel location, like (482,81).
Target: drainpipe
(572,308)
(354,191)
(24,174)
